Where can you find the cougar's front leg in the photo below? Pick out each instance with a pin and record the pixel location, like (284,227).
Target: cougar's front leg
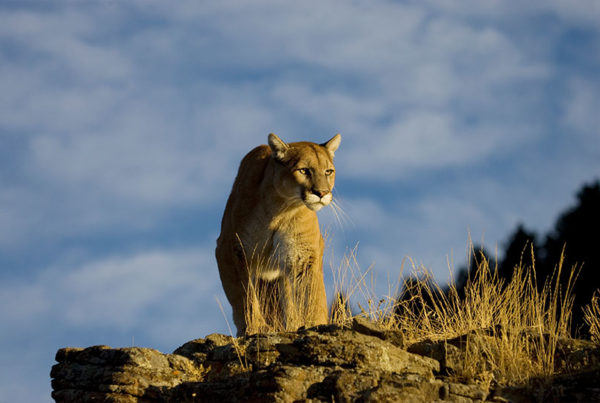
(304,301)
(317,303)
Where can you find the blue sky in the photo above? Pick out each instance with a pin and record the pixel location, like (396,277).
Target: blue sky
(122,124)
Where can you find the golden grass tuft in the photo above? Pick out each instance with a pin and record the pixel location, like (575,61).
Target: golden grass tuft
(512,328)
(592,317)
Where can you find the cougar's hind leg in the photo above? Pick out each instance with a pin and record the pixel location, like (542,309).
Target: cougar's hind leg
(235,282)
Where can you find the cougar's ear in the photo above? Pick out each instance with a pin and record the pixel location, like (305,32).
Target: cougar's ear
(333,144)
(278,147)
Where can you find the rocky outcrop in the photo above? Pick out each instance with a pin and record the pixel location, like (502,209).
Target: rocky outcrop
(104,374)
(320,364)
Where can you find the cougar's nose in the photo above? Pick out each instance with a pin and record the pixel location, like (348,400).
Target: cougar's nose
(320,193)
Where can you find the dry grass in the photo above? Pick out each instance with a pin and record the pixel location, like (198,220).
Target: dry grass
(592,317)
(352,284)
(512,327)
(282,304)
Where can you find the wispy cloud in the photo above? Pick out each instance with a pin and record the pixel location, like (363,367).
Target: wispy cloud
(581,106)
(118,292)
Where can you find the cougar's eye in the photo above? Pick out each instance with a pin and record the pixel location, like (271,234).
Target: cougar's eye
(328,172)
(304,171)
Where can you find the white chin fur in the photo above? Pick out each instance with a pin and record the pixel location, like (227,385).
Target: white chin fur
(315,206)
(315,203)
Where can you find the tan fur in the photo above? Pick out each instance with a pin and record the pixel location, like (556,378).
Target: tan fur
(270,232)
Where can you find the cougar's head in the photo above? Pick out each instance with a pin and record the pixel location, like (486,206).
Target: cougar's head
(305,170)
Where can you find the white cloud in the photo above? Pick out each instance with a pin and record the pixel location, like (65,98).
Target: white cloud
(433,227)
(366,214)
(135,291)
(427,140)
(117,128)
(580,12)
(58,72)
(22,303)
(410,88)
(581,110)
(121,137)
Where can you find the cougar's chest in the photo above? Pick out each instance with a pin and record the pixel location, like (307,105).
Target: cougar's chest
(295,244)
(275,245)
(273,253)
(286,247)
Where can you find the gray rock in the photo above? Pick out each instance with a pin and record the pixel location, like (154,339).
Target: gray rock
(326,363)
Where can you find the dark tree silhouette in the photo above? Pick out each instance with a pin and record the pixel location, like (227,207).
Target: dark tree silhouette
(476,257)
(518,252)
(578,232)
(416,297)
